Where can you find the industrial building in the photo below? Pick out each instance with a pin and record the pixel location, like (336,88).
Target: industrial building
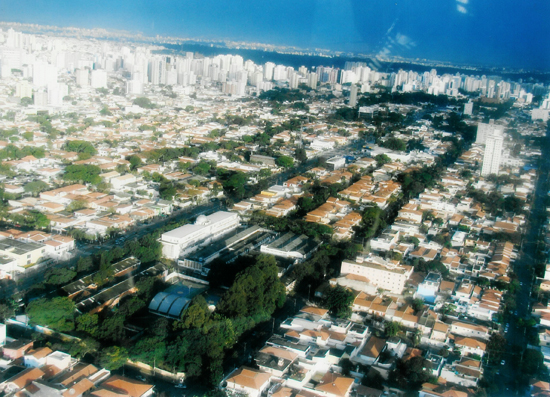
(206,229)
(234,244)
(291,245)
(172,302)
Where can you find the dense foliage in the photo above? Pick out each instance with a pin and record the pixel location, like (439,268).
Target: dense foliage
(338,301)
(80,147)
(56,313)
(83,173)
(11,152)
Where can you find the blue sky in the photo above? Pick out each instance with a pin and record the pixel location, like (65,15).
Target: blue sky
(492,32)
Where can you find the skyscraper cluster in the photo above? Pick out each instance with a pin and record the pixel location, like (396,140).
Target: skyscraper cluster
(46,66)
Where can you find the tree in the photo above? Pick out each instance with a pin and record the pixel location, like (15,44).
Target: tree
(36,187)
(392,328)
(256,290)
(26,101)
(533,362)
(59,276)
(82,173)
(373,221)
(202,168)
(410,374)
(196,315)
(301,154)
(264,173)
(496,347)
(338,300)
(121,169)
(76,205)
(112,358)
(394,144)
(285,161)
(150,350)
(135,162)
(7,309)
(382,159)
(235,184)
(80,147)
(144,103)
(83,347)
(88,323)
(167,191)
(56,313)
(32,219)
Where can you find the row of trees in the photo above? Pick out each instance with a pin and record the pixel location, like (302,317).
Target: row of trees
(12,152)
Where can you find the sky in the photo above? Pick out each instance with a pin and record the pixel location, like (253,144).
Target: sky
(508,33)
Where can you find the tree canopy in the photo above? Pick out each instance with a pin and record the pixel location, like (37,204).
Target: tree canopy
(56,313)
(82,173)
(338,300)
(285,161)
(256,289)
(80,147)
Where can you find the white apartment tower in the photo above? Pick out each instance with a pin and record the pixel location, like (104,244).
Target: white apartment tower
(269,68)
(83,77)
(493,154)
(99,79)
(353,96)
(312,81)
(469,108)
(484,130)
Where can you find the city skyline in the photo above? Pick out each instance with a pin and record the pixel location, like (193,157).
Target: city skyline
(461,31)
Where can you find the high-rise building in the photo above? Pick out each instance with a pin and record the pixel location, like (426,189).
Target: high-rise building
(269,67)
(99,78)
(43,74)
(312,81)
(23,89)
(484,130)
(353,96)
(83,77)
(468,108)
(294,81)
(493,153)
(543,112)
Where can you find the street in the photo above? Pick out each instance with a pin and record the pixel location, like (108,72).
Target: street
(524,267)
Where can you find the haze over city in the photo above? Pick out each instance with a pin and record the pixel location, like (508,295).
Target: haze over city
(501,33)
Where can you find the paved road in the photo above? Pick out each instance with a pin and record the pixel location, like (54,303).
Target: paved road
(524,267)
